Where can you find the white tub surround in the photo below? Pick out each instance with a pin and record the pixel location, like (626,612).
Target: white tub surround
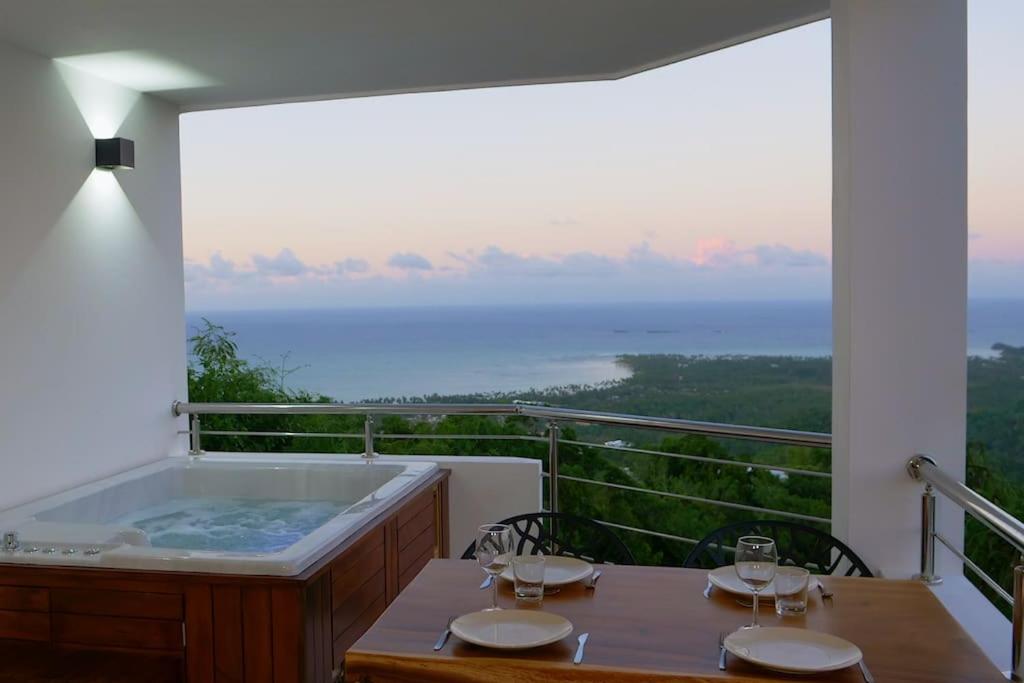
(80,527)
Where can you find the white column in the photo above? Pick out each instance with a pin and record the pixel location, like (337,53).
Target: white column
(899,268)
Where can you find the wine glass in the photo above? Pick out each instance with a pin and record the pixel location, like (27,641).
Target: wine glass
(494,553)
(756,561)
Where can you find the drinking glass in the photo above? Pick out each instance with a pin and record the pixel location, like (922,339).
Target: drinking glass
(756,562)
(791,590)
(528,572)
(493,553)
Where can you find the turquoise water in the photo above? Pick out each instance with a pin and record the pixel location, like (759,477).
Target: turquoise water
(364,353)
(231,524)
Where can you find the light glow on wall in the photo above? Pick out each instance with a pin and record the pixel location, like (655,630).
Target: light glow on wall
(104,105)
(139,70)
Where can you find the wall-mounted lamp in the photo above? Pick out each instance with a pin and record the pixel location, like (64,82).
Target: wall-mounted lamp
(115,153)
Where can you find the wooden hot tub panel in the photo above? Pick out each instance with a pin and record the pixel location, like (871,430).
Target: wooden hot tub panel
(207,628)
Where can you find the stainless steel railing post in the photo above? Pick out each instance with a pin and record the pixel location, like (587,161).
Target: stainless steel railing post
(553,430)
(928,574)
(369,453)
(195,444)
(1017,647)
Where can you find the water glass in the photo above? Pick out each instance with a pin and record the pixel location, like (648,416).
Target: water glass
(493,553)
(791,590)
(528,575)
(756,562)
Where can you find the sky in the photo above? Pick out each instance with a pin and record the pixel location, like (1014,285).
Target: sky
(703,180)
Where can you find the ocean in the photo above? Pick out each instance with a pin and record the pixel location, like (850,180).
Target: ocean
(367,353)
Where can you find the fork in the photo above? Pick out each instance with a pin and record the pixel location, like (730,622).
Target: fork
(592,583)
(721,650)
(826,594)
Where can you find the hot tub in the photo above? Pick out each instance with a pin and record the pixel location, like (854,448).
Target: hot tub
(263,515)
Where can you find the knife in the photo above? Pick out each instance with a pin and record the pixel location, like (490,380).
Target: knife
(868,678)
(582,640)
(443,638)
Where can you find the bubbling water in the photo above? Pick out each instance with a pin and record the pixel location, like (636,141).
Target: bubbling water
(231,524)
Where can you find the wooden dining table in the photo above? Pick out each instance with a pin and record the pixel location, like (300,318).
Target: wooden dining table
(654,624)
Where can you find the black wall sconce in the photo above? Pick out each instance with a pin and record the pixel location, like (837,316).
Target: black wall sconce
(114,153)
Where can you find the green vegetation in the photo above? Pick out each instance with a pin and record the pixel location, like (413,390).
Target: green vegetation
(785,392)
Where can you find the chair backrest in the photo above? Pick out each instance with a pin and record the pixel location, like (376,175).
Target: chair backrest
(796,544)
(560,533)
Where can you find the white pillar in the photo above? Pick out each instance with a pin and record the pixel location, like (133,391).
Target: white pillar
(899,222)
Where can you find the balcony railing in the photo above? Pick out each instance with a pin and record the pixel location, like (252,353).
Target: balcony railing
(1003,524)
(552,418)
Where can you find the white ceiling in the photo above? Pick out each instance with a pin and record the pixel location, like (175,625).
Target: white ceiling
(241,52)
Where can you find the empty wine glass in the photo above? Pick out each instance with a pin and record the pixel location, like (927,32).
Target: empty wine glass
(494,553)
(756,561)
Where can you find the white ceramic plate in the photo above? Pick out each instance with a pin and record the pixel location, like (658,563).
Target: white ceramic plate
(792,650)
(511,629)
(560,571)
(726,579)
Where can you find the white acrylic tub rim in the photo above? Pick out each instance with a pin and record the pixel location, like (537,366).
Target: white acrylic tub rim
(119,547)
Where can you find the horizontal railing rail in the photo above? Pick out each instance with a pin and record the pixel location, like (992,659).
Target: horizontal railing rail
(715,429)
(924,469)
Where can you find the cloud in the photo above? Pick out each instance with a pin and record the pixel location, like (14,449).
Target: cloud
(719,252)
(351,265)
(409,261)
(218,268)
(285,264)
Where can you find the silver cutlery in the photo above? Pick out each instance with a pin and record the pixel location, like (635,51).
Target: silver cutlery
(592,583)
(443,638)
(487,582)
(868,678)
(721,650)
(744,603)
(825,593)
(581,643)
(707,591)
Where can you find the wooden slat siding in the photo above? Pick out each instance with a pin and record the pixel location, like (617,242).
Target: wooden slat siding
(349,611)
(199,634)
(416,526)
(327,632)
(117,603)
(24,625)
(412,509)
(442,519)
(227,634)
(24,662)
(257,636)
(348,574)
(24,599)
(426,541)
(318,653)
(391,559)
(355,631)
(123,632)
(289,641)
(415,568)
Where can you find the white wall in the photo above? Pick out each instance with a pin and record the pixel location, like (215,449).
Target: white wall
(91,292)
(485,489)
(899,268)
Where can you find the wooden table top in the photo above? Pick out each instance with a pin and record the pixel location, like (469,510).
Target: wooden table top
(653,624)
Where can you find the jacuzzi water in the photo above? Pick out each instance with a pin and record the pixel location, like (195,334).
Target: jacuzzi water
(231,524)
